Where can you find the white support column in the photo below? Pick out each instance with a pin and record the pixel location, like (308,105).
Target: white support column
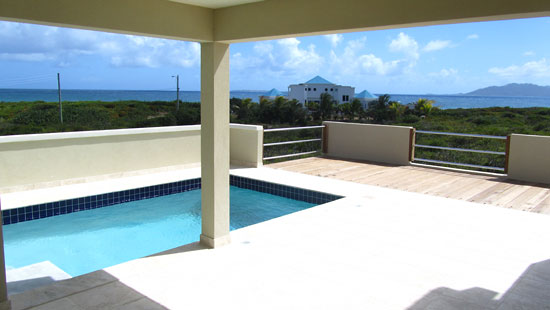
(215,143)
(5,304)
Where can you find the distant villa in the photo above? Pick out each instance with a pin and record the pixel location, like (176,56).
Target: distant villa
(272,94)
(311,91)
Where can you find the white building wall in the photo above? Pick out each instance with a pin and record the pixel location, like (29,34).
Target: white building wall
(312,92)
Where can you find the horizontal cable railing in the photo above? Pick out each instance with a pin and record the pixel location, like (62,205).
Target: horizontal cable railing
(293,128)
(472,135)
(292,142)
(459,149)
(456,149)
(442,162)
(291,155)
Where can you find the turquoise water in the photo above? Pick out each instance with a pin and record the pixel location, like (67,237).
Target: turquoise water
(50,95)
(85,241)
(442,101)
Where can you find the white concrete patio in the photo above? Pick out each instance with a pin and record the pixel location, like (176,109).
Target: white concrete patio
(377,248)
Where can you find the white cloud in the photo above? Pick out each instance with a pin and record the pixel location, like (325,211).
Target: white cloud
(539,68)
(263,48)
(24,42)
(373,64)
(296,58)
(472,37)
(405,44)
(356,62)
(31,57)
(273,60)
(529,53)
(436,45)
(334,39)
(445,73)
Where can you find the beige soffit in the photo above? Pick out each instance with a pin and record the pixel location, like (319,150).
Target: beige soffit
(216,4)
(273,19)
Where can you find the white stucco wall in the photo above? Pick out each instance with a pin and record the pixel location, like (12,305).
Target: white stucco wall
(312,92)
(529,158)
(246,145)
(378,143)
(43,160)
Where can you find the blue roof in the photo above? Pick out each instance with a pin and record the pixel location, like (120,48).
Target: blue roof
(365,95)
(318,80)
(273,93)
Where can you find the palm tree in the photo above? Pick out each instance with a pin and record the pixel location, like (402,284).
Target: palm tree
(378,109)
(326,106)
(356,108)
(397,109)
(345,110)
(424,106)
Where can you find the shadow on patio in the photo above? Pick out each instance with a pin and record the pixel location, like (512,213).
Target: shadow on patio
(530,291)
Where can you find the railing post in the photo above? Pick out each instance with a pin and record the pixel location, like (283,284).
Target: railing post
(263,147)
(325,139)
(507,150)
(412,135)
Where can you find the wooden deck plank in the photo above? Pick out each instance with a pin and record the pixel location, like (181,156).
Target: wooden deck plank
(473,189)
(480,188)
(458,183)
(491,194)
(531,194)
(510,194)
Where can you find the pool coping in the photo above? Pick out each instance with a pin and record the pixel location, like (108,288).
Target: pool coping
(95,201)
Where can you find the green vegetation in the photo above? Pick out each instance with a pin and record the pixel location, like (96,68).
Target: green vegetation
(42,117)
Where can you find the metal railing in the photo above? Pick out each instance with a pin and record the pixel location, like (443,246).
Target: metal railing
(442,162)
(292,142)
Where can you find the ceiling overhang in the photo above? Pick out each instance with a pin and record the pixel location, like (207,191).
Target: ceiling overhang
(232,21)
(216,4)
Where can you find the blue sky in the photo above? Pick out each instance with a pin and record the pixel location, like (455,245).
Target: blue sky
(437,59)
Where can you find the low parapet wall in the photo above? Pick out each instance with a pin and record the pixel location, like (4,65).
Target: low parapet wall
(246,147)
(378,143)
(42,160)
(529,158)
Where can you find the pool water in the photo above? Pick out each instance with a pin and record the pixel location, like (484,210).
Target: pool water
(90,240)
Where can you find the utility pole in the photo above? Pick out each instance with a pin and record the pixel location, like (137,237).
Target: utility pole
(177,92)
(59,95)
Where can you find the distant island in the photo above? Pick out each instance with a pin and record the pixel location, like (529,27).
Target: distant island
(514,89)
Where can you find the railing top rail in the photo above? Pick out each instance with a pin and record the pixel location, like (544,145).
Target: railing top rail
(290,155)
(291,142)
(461,134)
(458,149)
(293,128)
(459,164)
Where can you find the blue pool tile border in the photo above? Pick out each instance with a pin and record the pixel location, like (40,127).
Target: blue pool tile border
(286,191)
(49,209)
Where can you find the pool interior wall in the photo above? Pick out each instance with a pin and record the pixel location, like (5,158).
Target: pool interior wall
(50,209)
(83,242)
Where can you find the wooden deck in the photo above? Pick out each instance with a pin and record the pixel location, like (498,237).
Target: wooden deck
(486,189)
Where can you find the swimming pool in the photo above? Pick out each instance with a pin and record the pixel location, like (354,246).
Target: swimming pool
(81,242)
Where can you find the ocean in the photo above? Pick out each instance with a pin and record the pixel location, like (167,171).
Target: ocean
(441,101)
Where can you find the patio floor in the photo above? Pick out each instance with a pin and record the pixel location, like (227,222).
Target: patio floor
(486,189)
(377,248)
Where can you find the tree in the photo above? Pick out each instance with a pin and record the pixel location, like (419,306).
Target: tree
(356,108)
(424,107)
(243,110)
(345,110)
(326,106)
(397,109)
(314,109)
(378,109)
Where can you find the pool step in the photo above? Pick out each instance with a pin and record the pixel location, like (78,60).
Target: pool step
(33,276)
